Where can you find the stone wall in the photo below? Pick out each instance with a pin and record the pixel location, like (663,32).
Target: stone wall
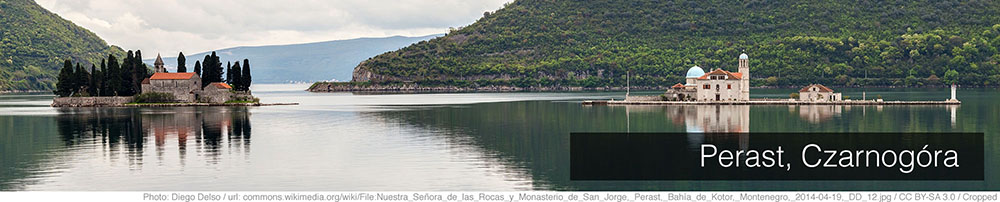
(644,98)
(183,90)
(213,95)
(110,101)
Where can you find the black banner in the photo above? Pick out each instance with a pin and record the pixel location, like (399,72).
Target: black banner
(776,156)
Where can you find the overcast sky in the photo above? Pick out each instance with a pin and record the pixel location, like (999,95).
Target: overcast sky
(192,26)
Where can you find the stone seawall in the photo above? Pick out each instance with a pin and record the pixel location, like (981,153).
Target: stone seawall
(335,87)
(644,98)
(112,101)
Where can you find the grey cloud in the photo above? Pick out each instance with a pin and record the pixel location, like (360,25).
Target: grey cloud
(168,26)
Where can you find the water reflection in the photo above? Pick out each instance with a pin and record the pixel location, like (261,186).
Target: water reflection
(535,134)
(128,131)
(817,113)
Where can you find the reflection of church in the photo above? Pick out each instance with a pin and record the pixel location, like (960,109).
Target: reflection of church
(712,118)
(208,130)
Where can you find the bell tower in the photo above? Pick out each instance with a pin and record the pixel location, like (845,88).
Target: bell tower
(744,69)
(158,65)
(744,66)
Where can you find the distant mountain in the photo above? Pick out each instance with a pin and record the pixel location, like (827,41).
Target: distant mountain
(34,42)
(307,62)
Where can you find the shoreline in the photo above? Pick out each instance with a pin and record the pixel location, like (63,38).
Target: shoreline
(770,102)
(178,105)
(340,87)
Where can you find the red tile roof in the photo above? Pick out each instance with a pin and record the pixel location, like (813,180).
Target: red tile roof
(678,85)
(820,86)
(145,81)
(172,76)
(732,76)
(222,85)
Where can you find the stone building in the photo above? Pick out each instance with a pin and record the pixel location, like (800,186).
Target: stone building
(184,86)
(217,92)
(717,85)
(818,92)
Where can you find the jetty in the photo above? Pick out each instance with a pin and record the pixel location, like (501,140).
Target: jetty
(769,102)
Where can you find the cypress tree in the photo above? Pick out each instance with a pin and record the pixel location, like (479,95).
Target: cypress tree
(126,74)
(197,67)
(229,73)
(98,77)
(245,78)
(63,83)
(81,79)
(139,73)
(211,70)
(235,73)
(113,75)
(181,63)
(92,85)
(206,71)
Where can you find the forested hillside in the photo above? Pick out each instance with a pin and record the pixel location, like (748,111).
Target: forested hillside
(593,43)
(34,43)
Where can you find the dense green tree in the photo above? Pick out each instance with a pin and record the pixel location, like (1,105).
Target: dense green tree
(950,77)
(181,63)
(64,83)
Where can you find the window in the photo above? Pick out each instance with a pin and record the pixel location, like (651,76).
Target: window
(729,86)
(707,86)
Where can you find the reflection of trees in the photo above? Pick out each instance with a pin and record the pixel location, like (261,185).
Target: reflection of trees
(127,130)
(532,137)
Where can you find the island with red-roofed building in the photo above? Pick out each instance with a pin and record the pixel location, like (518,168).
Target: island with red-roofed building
(204,87)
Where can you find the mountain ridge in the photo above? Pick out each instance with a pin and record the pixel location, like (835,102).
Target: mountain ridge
(313,61)
(533,43)
(36,41)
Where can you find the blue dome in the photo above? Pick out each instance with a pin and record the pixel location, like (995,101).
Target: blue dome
(744,56)
(695,72)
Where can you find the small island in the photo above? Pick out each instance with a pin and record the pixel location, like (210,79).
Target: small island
(134,84)
(721,87)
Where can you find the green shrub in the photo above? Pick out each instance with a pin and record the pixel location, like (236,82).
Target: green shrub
(155,98)
(244,99)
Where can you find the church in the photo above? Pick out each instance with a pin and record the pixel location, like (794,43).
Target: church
(716,85)
(185,86)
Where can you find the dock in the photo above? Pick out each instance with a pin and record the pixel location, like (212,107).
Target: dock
(770,102)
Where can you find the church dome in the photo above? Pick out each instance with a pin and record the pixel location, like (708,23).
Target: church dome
(695,72)
(744,56)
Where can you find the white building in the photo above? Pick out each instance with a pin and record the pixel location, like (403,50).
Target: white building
(818,92)
(717,85)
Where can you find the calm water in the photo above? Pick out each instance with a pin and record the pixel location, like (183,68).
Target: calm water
(470,141)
